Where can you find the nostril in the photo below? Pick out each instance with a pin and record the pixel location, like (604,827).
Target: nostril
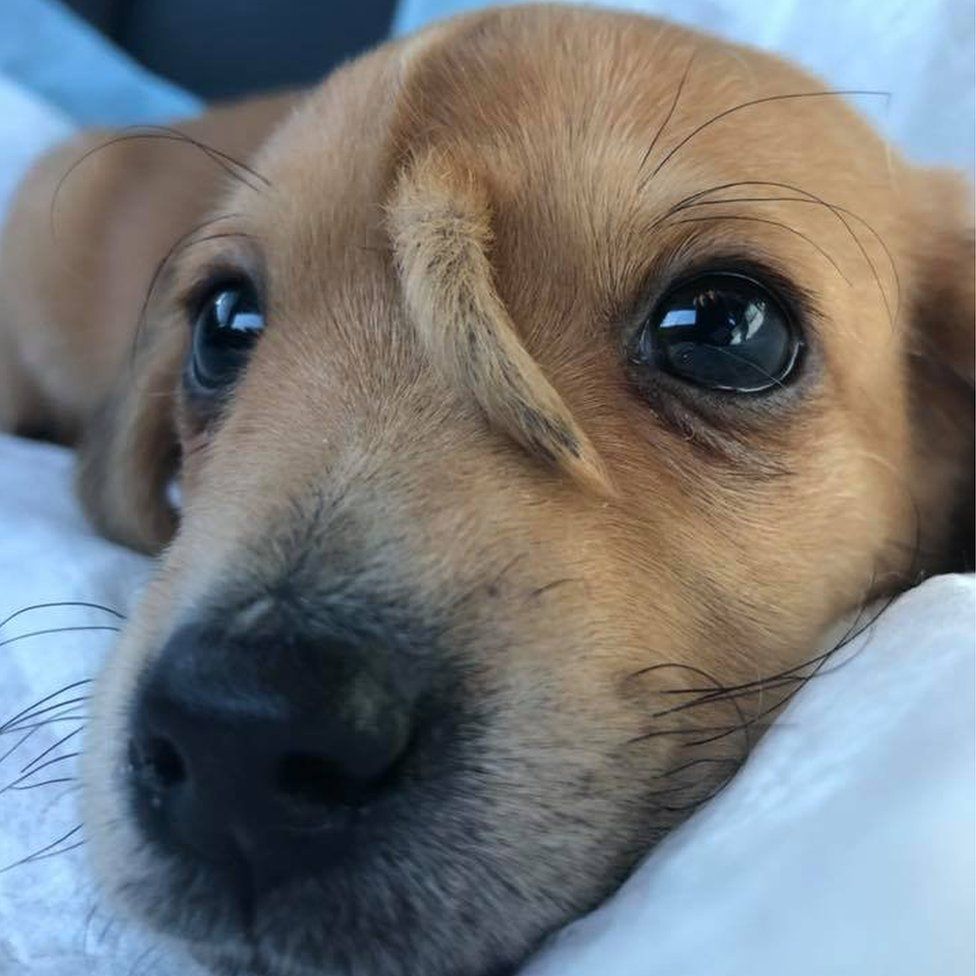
(317,781)
(157,762)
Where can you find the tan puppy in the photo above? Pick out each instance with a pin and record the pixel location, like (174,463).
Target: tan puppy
(541,389)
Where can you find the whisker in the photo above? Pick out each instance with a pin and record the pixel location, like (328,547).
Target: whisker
(555,584)
(33,859)
(15,784)
(56,720)
(679,731)
(838,213)
(17,745)
(12,727)
(854,631)
(801,682)
(667,118)
(47,851)
(51,749)
(700,801)
(835,208)
(702,673)
(15,788)
(212,151)
(181,242)
(774,223)
(691,763)
(163,134)
(834,93)
(58,604)
(58,630)
(50,762)
(47,698)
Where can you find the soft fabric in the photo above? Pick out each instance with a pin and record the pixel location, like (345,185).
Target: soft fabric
(52,53)
(845,846)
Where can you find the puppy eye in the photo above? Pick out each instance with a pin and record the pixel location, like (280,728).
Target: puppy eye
(226,328)
(721,331)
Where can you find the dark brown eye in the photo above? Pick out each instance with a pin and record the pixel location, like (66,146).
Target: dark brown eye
(226,328)
(721,331)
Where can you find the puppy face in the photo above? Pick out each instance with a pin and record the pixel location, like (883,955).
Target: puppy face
(543,395)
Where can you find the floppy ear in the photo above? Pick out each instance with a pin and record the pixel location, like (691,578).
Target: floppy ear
(129,450)
(89,356)
(942,362)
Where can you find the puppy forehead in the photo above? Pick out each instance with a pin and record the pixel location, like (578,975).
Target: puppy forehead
(572,91)
(584,125)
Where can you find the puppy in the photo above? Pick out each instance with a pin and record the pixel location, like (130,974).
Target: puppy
(540,388)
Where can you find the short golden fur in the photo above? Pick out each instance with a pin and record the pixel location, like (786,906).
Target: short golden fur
(457,236)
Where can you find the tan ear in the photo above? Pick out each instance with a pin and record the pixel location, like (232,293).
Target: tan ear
(88,357)
(129,451)
(942,362)
(441,227)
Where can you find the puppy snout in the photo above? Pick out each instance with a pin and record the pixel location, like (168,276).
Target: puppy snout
(264,751)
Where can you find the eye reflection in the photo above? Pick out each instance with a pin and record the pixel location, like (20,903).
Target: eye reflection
(722,331)
(227,326)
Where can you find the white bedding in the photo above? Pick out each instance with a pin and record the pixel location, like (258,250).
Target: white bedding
(845,846)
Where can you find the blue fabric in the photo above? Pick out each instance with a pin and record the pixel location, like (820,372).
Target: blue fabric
(53,54)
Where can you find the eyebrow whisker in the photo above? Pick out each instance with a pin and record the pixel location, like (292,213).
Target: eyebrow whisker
(667,118)
(808,198)
(177,247)
(774,223)
(752,103)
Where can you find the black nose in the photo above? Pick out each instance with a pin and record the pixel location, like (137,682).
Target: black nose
(261,751)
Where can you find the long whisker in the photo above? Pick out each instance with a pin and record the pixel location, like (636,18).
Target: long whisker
(44,700)
(691,763)
(838,212)
(17,745)
(806,194)
(58,604)
(58,630)
(47,851)
(50,749)
(701,673)
(51,762)
(15,784)
(45,723)
(15,724)
(182,242)
(15,788)
(834,93)
(774,223)
(231,166)
(855,630)
(210,151)
(667,118)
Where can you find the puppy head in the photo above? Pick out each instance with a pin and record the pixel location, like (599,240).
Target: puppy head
(556,384)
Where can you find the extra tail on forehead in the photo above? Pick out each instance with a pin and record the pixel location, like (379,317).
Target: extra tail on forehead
(440,222)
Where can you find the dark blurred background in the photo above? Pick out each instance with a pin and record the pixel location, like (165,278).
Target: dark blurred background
(222,48)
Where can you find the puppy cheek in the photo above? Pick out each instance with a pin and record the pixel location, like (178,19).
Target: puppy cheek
(193,447)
